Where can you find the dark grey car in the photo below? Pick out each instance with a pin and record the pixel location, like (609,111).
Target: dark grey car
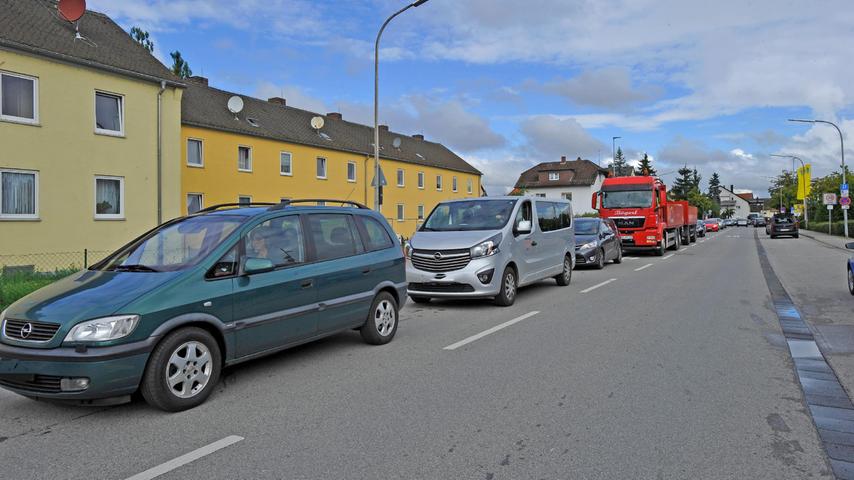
(597,241)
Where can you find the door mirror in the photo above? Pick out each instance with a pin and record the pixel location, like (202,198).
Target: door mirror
(850,245)
(257,265)
(523,226)
(594,200)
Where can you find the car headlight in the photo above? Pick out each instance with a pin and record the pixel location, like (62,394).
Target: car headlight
(407,250)
(588,246)
(486,248)
(103,329)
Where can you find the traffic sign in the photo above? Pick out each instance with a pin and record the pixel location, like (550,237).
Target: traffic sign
(829,198)
(830,206)
(844,190)
(845,201)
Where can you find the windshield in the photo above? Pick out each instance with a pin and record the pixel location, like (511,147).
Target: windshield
(470,215)
(174,246)
(584,226)
(627,199)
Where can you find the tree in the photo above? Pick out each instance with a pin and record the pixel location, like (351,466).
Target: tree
(644,167)
(784,191)
(141,36)
(619,163)
(715,186)
(703,203)
(180,67)
(695,180)
(683,184)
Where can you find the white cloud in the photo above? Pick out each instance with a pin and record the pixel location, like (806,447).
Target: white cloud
(549,137)
(609,87)
(294,95)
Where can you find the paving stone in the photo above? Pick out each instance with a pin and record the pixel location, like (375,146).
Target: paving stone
(817,375)
(812,365)
(834,424)
(829,401)
(831,412)
(822,387)
(842,470)
(839,438)
(840,452)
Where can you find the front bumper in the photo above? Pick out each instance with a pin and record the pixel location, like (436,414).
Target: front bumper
(641,240)
(112,371)
(461,283)
(585,257)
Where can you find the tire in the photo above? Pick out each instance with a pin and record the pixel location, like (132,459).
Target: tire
(566,276)
(796,235)
(851,281)
(659,252)
(381,324)
(773,236)
(619,258)
(509,285)
(600,260)
(675,245)
(420,300)
(167,368)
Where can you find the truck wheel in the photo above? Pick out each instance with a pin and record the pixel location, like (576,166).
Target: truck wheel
(675,245)
(662,246)
(600,260)
(566,276)
(507,295)
(619,258)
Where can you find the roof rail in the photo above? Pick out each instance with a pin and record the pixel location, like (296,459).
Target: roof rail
(213,208)
(285,203)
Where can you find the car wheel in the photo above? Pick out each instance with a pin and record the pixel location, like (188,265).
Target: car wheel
(796,235)
(566,276)
(420,300)
(182,371)
(851,281)
(619,258)
(381,324)
(509,284)
(600,260)
(773,236)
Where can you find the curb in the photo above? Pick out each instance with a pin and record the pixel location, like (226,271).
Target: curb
(804,233)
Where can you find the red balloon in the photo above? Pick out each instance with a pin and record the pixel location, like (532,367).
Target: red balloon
(72,10)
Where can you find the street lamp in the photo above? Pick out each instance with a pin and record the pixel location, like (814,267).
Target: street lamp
(377,178)
(842,151)
(614,154)
(804,169)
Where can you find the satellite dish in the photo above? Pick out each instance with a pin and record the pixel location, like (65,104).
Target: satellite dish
(71,10)
(317,123)
(396,142)
(235,104)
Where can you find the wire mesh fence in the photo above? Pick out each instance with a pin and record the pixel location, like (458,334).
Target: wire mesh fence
(25,273)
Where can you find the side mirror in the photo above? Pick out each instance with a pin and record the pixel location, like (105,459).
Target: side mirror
(257,265)
(850,245)
(594,200)
(524,227)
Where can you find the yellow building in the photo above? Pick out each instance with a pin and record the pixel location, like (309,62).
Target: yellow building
(79,139)
(268,151)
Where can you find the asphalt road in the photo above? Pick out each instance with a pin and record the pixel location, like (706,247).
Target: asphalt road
(673,370)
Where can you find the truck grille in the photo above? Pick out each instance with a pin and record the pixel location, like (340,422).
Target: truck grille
(440,260)
(629,222)
(32,383)
(441,287)
(38,331)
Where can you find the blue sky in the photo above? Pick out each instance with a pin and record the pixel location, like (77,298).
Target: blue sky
(508,84)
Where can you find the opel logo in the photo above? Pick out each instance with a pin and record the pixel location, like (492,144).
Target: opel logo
(26,330)
(437,255)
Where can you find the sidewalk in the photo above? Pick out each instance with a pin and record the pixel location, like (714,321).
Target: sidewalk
(832,240)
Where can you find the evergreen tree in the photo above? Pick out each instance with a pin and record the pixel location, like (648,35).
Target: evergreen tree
(683,184)
(644,167)
(695,180)
(141,36)
(180,67)
(619,163)
(715,186)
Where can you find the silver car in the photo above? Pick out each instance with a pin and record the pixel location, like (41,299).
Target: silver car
(489,247)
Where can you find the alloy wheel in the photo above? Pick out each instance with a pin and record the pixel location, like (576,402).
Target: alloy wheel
(189,369)
(509,285)
(567,270)
(384,318)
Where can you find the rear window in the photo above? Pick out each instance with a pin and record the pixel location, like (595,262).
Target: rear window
(376,236)
(333,235)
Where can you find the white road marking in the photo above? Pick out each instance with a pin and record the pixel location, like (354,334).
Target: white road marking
(594,287)
(665,258)
(494,329)
(645,266)
(631,258)
(186,458)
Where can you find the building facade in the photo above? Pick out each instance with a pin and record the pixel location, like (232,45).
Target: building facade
(269,151)
(730,199)
(79,136)
(574,180)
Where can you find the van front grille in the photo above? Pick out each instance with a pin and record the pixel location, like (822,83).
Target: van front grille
(29,331)
(440,260)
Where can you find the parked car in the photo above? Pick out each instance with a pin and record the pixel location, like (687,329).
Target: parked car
(701,228)
(850,246)
(165,313)
(759,222)
(489,247)
(729,222)
(783,224)
(597,241)
(713,225)
(741,222)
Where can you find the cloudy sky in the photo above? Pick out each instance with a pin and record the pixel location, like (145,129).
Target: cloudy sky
(510,83)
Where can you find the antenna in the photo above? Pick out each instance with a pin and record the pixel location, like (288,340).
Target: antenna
(396,142)
(235,105)
(317,123)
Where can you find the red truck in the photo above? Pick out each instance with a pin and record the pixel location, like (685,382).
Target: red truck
(647,220)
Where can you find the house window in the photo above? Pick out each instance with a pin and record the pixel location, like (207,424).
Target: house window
(541,195)
(400,212)
(351,171)
(194,203)
(286,166)
(400,177)
(566,195)
(244,200)
(244,159)
(454,184)
(195,155)
(19,98)
(321,167)
(109,198)
(469,186)
(421,180)
(554,176)
(19,194)
(438,182)
(420,212)
(109,114)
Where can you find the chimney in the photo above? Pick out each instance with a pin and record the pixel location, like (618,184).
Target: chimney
(383,128)
(278,101)
(199,80)
(578,159)
(563,159)
(418,136)
(335,115)
(732,188)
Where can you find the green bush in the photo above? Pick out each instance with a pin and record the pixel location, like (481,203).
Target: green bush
(15,286)
(836,229)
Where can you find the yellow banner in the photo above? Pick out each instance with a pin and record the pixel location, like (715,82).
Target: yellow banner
(804,182)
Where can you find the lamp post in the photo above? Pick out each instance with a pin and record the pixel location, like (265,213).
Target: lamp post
(842,152)
(376,100)
(614,154)
(804,169)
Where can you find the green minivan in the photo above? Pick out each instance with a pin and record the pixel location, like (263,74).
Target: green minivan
(165,313)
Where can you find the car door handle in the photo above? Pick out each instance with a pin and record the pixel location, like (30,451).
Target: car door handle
(307,284)
(366,271)
(533,243)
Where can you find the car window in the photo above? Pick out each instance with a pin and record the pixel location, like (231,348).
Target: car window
(547,217)
(278,239)
(225,266)
(525,213)
(333,236)
(377,236)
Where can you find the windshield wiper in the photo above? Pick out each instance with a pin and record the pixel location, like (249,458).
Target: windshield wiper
(134,268)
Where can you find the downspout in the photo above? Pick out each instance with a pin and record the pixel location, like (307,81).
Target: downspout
(160,152)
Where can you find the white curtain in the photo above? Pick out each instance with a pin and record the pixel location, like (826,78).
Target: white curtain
(194,152)
(19,193)
(17,96)
(108,196)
